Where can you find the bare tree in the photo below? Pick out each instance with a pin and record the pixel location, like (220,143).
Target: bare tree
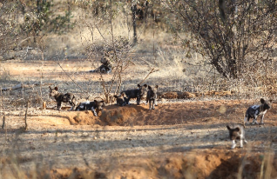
(115,48)
(232,34)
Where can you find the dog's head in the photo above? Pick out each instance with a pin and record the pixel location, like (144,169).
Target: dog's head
(143,89)
(265,105)
(155,88)
(234,133)
(99,104)
(53,92)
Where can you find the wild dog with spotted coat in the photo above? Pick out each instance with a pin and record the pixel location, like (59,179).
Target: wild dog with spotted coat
(237,133)
(257,110)
(121,99)
(91,105)
(152,96)
(135,93)
(60,97)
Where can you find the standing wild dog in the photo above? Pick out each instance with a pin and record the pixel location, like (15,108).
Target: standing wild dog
(60,97)
(93,106)
(152,96)
(237,133)
(135,93)
(257,110)
(120,100)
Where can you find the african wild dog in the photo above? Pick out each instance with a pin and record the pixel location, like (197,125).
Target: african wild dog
(120,100)
(135,93)
(237,133)
(60,97)
(257,110)
(152,96)
(93,106)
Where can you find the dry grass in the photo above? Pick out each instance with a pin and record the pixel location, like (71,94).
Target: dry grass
(187,139)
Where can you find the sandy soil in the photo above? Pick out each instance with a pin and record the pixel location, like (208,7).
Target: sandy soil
(187,139)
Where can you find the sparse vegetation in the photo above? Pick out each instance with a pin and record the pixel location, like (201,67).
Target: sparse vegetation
(176,45)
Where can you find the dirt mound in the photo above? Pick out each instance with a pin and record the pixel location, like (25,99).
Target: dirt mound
(111,115)
(116,115)
(83,118)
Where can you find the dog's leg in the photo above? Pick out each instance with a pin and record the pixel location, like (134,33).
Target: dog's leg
(245,141)
(72,106)
(255,120)
(255,117)
(246,120)
(153,104)
(149,104)
(233,144)
(128,101)
(138,100)
(59,105)
(94,112)
(241,143)
(262,119)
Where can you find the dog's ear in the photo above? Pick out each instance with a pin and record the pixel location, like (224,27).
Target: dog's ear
(115,96)
(237,129)
(50,88)
(56,88)
(156,86)
(145,85)
(149,87)
(95,101)
(138,85)
(262,101)
(270,100)
(228,127)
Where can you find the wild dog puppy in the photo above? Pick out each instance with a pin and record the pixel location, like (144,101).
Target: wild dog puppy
(135,93)
(237,133)
(60,97)
(93,106)
(152,96)
(257,110)
(120,100)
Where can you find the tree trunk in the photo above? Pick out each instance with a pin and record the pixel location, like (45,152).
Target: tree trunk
(134,10)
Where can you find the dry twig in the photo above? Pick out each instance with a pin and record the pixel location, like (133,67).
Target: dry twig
(26,112)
